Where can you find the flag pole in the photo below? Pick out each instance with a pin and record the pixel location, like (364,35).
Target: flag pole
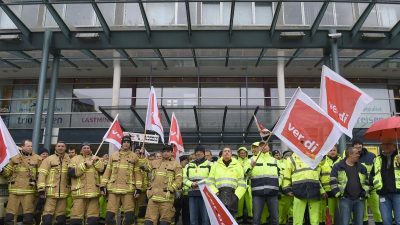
(263,147)
(98,149)
(144,139)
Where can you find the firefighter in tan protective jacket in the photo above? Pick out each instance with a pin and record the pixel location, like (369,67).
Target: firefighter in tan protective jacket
(144,169)
(53,184)
(166,179)
(84,172)
(123,182)
(21,172)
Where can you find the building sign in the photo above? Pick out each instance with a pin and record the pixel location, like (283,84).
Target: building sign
(376,110)
(98,120)
(24,106)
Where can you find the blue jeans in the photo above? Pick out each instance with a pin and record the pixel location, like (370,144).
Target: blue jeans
(198,211)
(348,207)
(387,204)
(258,206)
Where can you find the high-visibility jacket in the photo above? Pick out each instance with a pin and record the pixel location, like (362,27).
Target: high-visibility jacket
(143,168)
(22,173)
(300,179)
(193,172)
(227,176)
(339,179)
(53,177)
(326,169)
(367,159)
(166,179)
(85,180)
(377,178)
(265,176)
(120,176)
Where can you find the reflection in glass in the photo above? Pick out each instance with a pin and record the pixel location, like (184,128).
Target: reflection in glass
(89,100)
(263,13)
(132,15)
(243,13)
(292,12)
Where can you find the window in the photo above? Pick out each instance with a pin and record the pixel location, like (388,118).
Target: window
(263,13)
(89,99)
(344,14)
(220,96)
(255,97)
(5,21)
(311,10)
(132,15)
(293,13)
(211,13)
(243,13)
(160,13)
(80,15)
(180,97)
(388,14)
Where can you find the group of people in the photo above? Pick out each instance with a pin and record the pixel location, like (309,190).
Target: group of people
(130,187)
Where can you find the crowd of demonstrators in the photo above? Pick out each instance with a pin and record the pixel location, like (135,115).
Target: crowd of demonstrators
(133,187)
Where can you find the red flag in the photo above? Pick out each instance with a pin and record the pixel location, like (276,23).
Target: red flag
(217,212)
(175,138)
(153,117)
(342,100)
(114,134)
(8,148)
(307,129)
(264,132)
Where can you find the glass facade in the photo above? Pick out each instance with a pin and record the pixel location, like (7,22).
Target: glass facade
(202,14)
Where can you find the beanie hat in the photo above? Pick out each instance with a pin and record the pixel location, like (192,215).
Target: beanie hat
(200,148)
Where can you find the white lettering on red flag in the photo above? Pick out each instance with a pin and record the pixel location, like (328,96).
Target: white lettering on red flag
(217,212)
(153,117)
(8,148)
(114,134)
(175,138)
(342,100)
(306,129)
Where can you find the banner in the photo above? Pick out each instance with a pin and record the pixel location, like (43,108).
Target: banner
(306,129)
(137,137)
(114,134)
(8,148)
(217,212)
(175,138)
(343,101)
(153,117)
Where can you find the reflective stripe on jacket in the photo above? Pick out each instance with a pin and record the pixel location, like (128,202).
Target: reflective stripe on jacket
(166,179)
(53,176)
(300,179)
(326,168)
(22,173)
(85,180)
(227,176)
(120,176)
(265,176)
(193,173)
(339,179)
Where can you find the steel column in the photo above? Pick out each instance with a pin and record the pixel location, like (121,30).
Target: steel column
(336,68)
(52,101)
(41,89)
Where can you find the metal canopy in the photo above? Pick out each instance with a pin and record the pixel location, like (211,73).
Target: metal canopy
(200,124)
(104,35)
